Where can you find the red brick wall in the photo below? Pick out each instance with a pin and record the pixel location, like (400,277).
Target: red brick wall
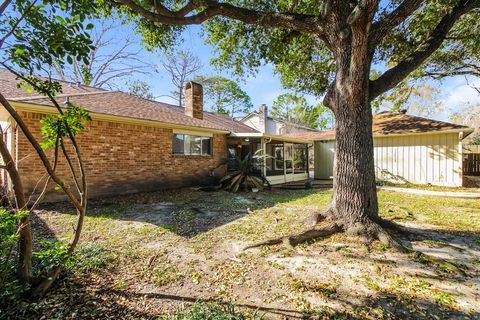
(123,158)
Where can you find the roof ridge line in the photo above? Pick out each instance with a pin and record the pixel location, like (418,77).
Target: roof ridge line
(422,118)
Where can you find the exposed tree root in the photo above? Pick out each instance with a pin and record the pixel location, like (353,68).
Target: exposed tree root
(392,226)
(439,263)
(303,236)
(388,238)
(383,230)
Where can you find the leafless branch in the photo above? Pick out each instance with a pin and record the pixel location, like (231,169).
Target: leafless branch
(476,88)
(17,23)
(181,66)
(4,6)
(106,59)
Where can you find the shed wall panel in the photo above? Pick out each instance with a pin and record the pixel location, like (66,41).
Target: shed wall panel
(419,159)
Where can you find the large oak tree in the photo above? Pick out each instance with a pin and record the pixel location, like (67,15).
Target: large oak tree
(326,47)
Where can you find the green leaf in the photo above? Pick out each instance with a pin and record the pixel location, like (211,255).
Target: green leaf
(61,20)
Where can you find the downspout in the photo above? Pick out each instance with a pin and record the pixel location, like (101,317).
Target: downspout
(264,162)
(460,153)
(12,142)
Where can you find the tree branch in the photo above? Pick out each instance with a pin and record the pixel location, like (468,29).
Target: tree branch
(19,20)
(4,6)
(161,9)
(189,7)
(440,75)
(382,27)
(396,74)
(293,21)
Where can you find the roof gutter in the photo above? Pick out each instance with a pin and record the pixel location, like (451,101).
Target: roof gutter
(269,136)
(39,108)
(464,131)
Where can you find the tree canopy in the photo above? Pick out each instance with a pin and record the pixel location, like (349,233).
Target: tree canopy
(37,35)
(140,89)
(430,37)
(181,66)
(222,95)
(296,109)
(110,62)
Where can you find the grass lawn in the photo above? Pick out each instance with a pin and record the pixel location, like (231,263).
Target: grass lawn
(152,255)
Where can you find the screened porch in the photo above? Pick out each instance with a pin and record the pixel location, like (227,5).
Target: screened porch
(285,161)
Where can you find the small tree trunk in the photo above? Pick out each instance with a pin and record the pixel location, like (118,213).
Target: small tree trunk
(25,232)
(25,250)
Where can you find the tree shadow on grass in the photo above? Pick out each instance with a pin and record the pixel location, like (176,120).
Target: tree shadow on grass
(185,212)
(75,299)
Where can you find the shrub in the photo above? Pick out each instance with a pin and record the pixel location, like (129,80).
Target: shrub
(52,255)
(9,286)
(245,173)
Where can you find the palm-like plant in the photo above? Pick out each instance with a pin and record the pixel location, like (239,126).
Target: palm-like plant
(245,173)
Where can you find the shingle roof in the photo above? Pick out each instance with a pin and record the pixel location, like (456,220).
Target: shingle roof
(8,86)
(121,104)
(393,123)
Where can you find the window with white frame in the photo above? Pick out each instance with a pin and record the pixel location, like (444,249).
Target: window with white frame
(190,145)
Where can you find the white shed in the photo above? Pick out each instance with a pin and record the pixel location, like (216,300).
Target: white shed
(407,149)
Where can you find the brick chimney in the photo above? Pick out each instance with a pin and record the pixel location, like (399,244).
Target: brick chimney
(194,100)
(263,115)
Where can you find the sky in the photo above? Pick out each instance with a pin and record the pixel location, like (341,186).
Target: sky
(265,86)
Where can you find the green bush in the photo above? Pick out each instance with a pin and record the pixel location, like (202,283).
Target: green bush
(52,255)
(9,286)
(207,311)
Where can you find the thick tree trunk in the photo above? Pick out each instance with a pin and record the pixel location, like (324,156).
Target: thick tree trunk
(355,196)
(354,203)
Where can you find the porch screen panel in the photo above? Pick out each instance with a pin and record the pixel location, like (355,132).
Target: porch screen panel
(275,159)
(288,157)
(300,158)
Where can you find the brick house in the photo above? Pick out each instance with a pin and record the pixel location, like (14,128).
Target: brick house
(137,145)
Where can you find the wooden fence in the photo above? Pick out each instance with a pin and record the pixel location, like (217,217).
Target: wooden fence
(471,164)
